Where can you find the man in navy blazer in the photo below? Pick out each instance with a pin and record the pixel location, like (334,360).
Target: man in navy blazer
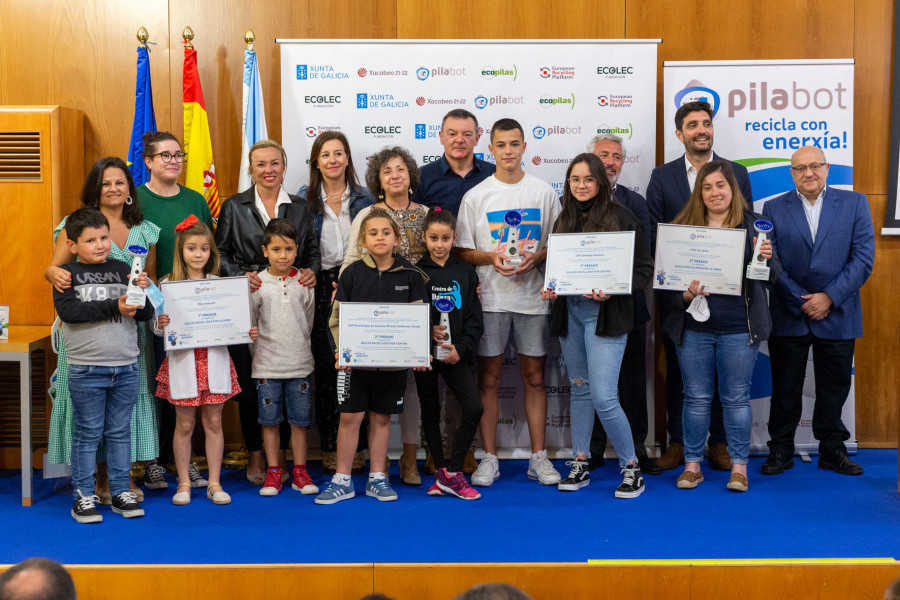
(633,374)
(826,243)
(670,187)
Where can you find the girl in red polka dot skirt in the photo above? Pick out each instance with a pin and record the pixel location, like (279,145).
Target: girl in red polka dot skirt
(200,376)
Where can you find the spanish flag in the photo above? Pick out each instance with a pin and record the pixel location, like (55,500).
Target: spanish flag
(200,171)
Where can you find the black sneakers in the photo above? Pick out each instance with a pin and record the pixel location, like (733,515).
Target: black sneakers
(83,509)
(632,484)
(154,477)
(126,505)
(578,477)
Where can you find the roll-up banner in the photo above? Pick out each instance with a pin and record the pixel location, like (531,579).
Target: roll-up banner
(764,111)
(396,92)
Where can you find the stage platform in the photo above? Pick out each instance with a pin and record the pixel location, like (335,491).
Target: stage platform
(808,533)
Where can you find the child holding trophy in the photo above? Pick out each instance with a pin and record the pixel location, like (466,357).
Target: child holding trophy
(379,277)
(103,351)
(198,376)
(457,327)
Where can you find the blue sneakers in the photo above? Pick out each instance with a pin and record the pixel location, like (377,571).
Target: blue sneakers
(380,489)
(335,492)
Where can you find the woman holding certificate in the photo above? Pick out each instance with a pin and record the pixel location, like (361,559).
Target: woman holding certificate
(239,237)
(593,328)
(717,336)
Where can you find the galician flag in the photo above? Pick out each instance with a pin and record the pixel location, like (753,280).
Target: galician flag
(144,118)
(200,171)
(254,115)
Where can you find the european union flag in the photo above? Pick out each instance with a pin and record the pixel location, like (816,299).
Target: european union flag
(144,119)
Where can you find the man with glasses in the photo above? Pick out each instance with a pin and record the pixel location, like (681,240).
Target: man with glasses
(444,182)
(826,243)
(633,374)
(670,187)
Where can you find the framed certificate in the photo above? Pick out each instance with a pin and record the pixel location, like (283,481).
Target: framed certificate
(714,256)
(578,263)
(206,312)
(384,335)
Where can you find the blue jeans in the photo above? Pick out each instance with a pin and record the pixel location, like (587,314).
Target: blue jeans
(275,395)
(702,356)
(595,381)
(102,402)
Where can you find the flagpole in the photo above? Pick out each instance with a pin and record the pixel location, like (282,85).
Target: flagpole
(187,34)
(250,38)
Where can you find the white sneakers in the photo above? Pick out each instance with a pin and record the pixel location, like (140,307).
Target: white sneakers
(488,471)
(539,467)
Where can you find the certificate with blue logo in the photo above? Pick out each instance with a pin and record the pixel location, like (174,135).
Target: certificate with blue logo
(206,312)
(384,335)
(579,263)
(714,256)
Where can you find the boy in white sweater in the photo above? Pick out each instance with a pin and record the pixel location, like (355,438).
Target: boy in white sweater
(282,309)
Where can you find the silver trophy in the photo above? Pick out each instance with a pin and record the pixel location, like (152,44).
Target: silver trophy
(445,306)
(136,295)
(513,219)
(758,267)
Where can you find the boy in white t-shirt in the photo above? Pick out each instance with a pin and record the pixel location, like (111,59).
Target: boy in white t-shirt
(503,227)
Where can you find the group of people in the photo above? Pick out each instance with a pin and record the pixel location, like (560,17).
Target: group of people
(444,232)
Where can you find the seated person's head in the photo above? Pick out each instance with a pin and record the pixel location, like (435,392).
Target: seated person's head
(37,579)
(494,591)
(87,230)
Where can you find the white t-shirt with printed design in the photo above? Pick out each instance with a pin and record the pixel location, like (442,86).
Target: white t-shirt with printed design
(487,214)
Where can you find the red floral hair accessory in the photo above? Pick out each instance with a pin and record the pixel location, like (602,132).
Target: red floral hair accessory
(187,223)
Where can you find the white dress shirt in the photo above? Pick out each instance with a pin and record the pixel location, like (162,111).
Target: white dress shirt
(692,172)
(813,212)
(335,231)
(283,198)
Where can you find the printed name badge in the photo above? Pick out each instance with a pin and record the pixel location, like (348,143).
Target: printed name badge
(513,218)
(444,304)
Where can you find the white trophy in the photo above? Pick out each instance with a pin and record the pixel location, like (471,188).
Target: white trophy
(136,295)
(513,219)
(445,306)
(758,267)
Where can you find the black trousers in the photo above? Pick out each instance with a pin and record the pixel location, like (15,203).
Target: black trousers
(462,381)
(248,405)
(164,409)
(833,368)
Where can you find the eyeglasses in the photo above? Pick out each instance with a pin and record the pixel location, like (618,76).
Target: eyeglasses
(576,181)
(814,167)
(167,157)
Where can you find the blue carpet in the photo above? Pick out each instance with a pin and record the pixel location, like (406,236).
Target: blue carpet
(805,513)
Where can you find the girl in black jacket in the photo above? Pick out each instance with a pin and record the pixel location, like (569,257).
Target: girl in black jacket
(452,286)
(593,328)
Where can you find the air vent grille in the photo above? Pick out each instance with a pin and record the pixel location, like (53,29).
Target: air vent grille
(20,156)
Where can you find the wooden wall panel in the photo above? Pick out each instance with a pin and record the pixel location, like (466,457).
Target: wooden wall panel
(219,27)
(82,55)
(526,19)
(540,581)
(877,367)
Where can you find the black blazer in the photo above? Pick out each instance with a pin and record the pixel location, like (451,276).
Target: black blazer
(638,205)
(240,232)
(669,190)
(615,316)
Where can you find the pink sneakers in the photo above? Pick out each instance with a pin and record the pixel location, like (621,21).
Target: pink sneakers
(272,485)
(434,490)
(456,485)
(303,482)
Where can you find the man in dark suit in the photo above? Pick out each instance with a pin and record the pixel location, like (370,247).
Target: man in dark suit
(633,374)
(826,243)
(668,191)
